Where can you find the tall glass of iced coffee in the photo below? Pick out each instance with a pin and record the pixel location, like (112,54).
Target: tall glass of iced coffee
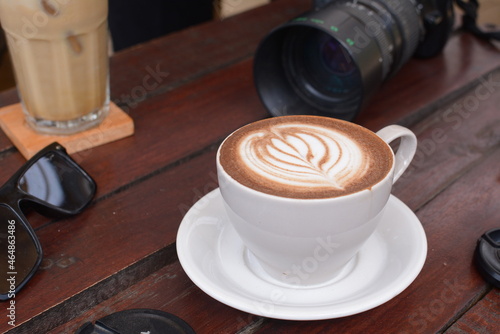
(59,51)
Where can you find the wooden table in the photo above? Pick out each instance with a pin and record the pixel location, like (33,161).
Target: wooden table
(186,92)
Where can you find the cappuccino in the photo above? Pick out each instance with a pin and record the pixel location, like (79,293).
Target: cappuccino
(305,157)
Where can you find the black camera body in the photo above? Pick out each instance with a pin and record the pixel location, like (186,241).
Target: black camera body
(437,20)
(329,61)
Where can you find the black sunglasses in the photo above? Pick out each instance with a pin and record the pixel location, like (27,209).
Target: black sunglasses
(52,184)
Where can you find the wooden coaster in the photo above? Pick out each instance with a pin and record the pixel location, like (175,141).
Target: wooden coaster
(116,125)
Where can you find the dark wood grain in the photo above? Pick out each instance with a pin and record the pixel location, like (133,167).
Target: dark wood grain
(452,140)
(170,289)
(166,63)
(424,85)
(423,306)
(448,283)
(445,221)
(117,233)
(8,97)
(169,129)
(120,253)
(483,318)
(194,52)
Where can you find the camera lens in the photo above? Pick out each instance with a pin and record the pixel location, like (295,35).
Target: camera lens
(320,69)
(334,57)
(330,61)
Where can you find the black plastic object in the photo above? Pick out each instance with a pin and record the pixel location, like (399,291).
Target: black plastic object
(137,321)
(331,60)
(487,257)
(52,183)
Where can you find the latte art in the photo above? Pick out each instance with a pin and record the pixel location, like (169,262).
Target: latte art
(305,157)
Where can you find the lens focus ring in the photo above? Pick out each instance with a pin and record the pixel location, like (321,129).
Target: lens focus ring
(374,27)
(406,14)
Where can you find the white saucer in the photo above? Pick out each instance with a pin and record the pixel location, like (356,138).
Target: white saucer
(213,256)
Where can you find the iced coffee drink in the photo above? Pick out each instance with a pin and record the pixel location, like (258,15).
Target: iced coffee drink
(59,51)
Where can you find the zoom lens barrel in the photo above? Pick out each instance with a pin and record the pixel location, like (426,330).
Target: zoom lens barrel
(330,61)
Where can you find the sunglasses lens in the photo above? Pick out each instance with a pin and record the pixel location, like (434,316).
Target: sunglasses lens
(58,181)
(19,254)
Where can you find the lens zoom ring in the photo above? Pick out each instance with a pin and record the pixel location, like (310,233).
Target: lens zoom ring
(366,16)
(407,15)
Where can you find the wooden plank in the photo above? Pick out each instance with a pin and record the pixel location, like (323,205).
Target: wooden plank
(9,97)
(170,290)
(447,284)
(170,61)
(246,104)
(169,128)
(451,140)
(483,318)
(484,116)
(117,125)
(422,306)
(173,60)
(247,87)
(84,256)
(88,250)
(423,86)
(190,111)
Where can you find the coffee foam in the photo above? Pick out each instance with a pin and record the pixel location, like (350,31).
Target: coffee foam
(305,157)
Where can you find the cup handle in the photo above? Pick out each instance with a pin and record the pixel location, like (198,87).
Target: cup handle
(406,150)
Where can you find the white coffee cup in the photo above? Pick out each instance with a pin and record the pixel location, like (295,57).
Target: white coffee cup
(307,242)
